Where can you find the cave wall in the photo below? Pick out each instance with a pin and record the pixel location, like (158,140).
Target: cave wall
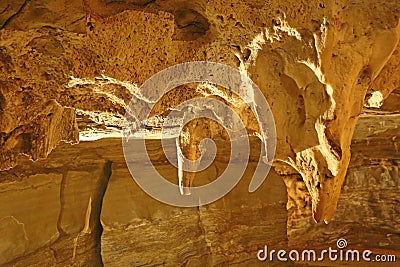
(313,61)
(96,214)
(81,207)
(68,70)
(368,208)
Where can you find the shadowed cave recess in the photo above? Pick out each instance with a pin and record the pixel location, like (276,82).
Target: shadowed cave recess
(330,71)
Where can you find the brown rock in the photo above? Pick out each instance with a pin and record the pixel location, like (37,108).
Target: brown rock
(30,211)
(68,70)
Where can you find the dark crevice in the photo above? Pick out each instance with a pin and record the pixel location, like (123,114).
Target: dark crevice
(335,147)
(78,19)
(14,15)
(62,204)
(97,204)
(5,9)
(140,3)
(2,104)
(190,24)
(318,186)
(144,3)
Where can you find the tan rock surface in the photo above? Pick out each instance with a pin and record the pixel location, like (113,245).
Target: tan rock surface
(368,213)
(29,213)
(68,70)
(314,62)
(229,231)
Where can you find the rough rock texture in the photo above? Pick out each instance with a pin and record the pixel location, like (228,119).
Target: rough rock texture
(229,231)
(314,62)
(96,214)
(24,229)
(368,210)
(68,70)
(387,84)
(51,212)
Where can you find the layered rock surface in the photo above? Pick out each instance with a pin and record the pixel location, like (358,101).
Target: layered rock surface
(133,225)
(314,63)
(81,207)
(368,209)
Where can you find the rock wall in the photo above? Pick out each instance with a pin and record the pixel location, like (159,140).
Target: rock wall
(368,208)
(314,62)
(68,70)
(132,229)
(81,207)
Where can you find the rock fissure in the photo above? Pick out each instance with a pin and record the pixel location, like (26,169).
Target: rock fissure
(7,21)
